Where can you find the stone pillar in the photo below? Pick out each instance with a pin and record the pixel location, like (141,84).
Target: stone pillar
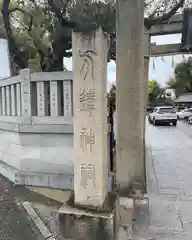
(145,94)
(25,93)
(145,79)
(88,214)
(130,64)
(90,119)
(146,71)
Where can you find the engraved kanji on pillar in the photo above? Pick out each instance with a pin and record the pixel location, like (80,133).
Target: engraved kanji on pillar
(90,118)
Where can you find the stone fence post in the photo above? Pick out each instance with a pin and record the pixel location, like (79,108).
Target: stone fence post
(25,92)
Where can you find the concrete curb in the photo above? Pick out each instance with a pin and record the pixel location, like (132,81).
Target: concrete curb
(151,181)
(148,161)
(38,221)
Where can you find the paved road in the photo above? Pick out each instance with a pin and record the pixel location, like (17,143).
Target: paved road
(172,158)
(170,181)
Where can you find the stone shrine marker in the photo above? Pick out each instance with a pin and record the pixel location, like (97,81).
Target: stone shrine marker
(90,118)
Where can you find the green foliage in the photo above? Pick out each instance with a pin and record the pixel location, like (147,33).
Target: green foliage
(90,14)
(156,95)
(111,98)
(33,30)
(154,91)
(182,80)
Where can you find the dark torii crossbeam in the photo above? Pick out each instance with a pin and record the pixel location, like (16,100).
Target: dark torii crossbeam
(178,24)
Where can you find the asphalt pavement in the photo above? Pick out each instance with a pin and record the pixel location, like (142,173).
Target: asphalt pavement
(170,181)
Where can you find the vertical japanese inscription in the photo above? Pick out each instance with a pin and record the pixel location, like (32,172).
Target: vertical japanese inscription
(26,86)
(67,101)
(89,57)
(87,98)
(88,63)
(41,98)
(87,139)
(88,175)
(87,95)
(88,41)
(67,97)
(40,101)
(54,99)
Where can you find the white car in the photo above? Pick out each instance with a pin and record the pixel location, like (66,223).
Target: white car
(190,119)
(163,115)
(184,114)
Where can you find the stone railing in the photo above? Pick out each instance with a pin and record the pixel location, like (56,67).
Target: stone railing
(37,98)
(10,95)
(36,129)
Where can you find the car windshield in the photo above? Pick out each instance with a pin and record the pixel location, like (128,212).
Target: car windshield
(166,110)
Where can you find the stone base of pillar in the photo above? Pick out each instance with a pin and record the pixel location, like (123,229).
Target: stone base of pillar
(80,223)
(135,187)
(138,185)
(126,206)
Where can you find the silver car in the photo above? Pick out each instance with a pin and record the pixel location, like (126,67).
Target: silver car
(165,115)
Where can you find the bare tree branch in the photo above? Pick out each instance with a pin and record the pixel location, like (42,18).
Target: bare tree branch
(22,25)
(165,17)
(59,14)
(65,6)
(17,9)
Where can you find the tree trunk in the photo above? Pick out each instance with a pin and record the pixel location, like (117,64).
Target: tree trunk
(17,56)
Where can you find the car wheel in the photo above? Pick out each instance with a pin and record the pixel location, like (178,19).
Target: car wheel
(149,120)
(174,123)
(190,120)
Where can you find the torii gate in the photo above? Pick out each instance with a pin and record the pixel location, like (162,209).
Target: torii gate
(132,88)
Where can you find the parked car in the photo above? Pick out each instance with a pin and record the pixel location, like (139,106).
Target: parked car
(165,115)
(149,108)
(184,114)
(190,119)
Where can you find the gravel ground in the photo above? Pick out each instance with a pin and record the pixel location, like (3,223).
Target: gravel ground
(15,223)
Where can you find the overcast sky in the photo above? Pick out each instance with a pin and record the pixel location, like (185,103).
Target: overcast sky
(159,69)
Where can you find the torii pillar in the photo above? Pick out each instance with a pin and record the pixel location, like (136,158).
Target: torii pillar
(130,94)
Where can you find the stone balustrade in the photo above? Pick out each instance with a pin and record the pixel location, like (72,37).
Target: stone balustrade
(36,129)
(10,95)
(37,98)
